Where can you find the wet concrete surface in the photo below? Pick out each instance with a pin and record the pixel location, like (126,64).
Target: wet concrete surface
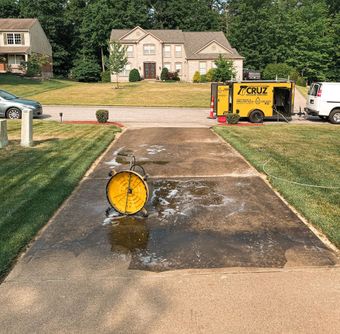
(194,222)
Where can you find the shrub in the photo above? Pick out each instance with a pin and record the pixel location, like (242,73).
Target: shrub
(86,70)
(210,75)
(102,115)
(134,75)
(33,67)
(165,74)
(232,118)
(281,70)
(197,77)
(224,70)
(105,76)
(173,76)
(203,78)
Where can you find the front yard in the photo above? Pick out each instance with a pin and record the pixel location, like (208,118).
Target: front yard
(35,181)
(144,93)
(299,153)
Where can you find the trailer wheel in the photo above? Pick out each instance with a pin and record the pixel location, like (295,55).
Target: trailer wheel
(256,116)
(334,116)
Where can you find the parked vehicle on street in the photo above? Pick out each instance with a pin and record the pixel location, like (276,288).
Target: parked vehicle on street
(11,106)
(324,101)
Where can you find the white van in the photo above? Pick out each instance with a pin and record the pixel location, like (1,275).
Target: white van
(324,101)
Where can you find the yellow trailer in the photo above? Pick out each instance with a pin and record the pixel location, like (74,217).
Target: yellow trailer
(256,99)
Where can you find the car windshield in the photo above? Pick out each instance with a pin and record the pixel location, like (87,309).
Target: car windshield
(7,96)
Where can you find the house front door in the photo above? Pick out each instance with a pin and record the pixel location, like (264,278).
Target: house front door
(149,70)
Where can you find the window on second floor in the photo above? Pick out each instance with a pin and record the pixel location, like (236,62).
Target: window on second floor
(149,49)
(129,51)
(178,51)
(13,38)
(167,51)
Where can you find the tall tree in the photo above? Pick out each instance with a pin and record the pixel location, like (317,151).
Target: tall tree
(51,17)
(194,15)
(9,8)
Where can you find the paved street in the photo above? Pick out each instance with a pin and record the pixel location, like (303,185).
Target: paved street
(218,253)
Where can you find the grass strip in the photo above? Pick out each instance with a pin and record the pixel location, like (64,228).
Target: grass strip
(35,181)
(308,154)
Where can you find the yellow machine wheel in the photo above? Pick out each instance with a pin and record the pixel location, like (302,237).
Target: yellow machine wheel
(127,192)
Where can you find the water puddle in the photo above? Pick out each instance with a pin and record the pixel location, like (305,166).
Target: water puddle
(193,225)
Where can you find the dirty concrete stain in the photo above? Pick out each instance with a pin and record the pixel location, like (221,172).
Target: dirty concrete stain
(184,230)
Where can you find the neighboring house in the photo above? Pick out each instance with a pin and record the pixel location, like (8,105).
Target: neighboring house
(186,52)
(20,38)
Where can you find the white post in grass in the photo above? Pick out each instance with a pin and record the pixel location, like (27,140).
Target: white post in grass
(3,133)
(26,127)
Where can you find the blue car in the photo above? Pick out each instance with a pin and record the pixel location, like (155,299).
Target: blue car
(11,106)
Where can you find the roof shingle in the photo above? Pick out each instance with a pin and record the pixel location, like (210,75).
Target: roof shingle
(17,24)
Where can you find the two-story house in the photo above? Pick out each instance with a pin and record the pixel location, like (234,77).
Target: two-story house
(186,52)
(20,38)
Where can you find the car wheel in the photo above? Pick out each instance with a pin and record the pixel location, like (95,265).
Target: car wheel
(334,116)
(13,113)
(256,116)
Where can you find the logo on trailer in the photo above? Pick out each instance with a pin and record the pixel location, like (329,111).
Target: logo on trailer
(253,90)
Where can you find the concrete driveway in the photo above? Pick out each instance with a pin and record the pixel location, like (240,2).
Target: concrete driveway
(218,253)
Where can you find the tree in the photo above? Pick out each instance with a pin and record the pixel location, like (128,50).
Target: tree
(51,17)
(9,8)
(273,71)
(117,59)
(224,70)
(86,69)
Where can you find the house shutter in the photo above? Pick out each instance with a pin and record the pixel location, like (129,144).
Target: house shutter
(5,39)
(22,38)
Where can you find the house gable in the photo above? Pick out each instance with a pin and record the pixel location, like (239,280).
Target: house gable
(213,48)
(134,35)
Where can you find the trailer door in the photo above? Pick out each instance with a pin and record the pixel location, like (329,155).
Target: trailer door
(222,100)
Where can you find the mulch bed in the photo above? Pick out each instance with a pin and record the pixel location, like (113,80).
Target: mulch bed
(120,125)
(240,124)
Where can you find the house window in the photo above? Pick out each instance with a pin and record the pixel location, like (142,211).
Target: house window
(168,66)
(127,70)
(14,39)
(203,67)
(213,65)
(129,51)
(178,68)
(178,51)
(167,51)
(15,59)
(149,49)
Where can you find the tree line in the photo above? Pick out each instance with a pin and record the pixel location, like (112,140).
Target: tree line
(304,34)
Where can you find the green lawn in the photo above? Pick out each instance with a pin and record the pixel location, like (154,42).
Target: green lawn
(25,87)
(303,90)
(144,93)
(302,153)
(35,181)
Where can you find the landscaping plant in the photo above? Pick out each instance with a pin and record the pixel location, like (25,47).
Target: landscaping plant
(102,115)
(86,70)
(117,59)
(232,118)
(197,77)
(224,70)
(164,74)
(134,75)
